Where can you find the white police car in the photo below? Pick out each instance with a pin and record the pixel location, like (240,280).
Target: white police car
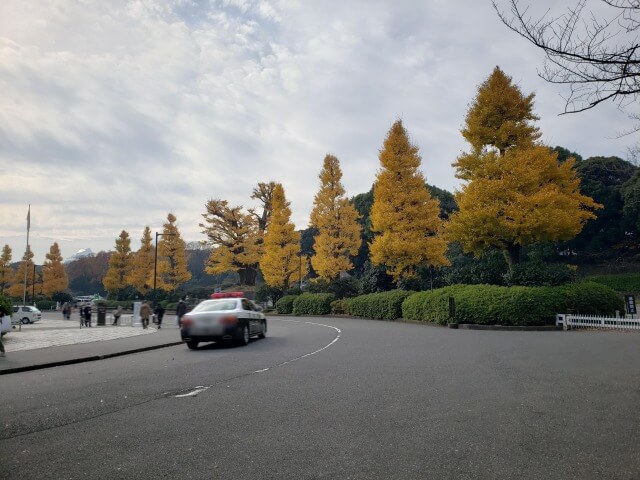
(225,317)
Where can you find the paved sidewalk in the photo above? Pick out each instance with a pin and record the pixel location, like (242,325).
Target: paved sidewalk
(54,333)
(32,350)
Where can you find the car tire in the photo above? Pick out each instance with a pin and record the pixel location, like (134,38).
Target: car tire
(192,345)
(244,336)
(263,329)
(24,321)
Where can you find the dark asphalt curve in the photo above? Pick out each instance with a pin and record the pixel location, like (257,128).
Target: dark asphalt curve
(375,400)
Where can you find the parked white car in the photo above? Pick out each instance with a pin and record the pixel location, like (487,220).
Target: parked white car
(25,314)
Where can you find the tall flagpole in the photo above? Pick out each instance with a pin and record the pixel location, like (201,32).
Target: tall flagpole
(24,295)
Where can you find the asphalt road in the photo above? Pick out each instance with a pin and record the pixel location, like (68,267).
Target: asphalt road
(383,401)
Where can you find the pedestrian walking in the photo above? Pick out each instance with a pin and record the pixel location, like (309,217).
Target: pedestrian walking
(117,314)
(87,316)
(4,315)
(145,313)
(181,309)
(159,311)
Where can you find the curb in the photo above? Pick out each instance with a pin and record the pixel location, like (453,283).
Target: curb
(509,328)
(92,358)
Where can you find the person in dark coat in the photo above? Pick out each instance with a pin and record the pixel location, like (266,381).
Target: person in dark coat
(181,309)
(2,314)
(159,311)
(87,316)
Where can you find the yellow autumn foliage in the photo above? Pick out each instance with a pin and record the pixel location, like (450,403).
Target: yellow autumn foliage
(141,275)
(54,277)
(120,264)
(172,257)
(404,216)
(523,197)
(336,220)
(516,192)
(279,263)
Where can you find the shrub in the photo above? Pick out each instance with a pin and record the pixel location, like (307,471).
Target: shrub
(5,305)
(266,293)
(340,287)
(496,305)
(45,305)
(536,273)
(592,298)
(340,306)
(383,305)
(313,304)
(623,282)
(431,306)
(285,304)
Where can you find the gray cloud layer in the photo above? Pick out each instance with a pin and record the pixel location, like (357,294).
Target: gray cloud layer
(115,113)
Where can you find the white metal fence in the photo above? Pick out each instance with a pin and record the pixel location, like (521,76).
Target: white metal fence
(571,321)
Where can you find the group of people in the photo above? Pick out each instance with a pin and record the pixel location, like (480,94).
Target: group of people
(146,312)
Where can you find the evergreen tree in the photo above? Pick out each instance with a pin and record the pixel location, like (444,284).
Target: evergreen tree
(336,222)
(54,276)
(141,275)
(404,217)
(517,192)
(172,257)
(6,272)
(17,287)
(120,264)
(279,263)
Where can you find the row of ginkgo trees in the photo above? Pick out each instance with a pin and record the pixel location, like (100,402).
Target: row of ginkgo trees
(515,193)
(51,279)
(138,270)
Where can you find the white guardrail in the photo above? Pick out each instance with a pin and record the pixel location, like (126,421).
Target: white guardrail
(571,321)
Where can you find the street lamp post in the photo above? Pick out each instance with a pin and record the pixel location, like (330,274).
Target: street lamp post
(33,287)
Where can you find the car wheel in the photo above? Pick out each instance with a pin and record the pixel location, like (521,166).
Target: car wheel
(192,345)
(244,336)
(25,320)
(263,330)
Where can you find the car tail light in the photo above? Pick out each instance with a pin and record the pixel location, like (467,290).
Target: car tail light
(229,320)
(186,321)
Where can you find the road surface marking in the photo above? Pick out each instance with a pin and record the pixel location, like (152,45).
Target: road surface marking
(200,389)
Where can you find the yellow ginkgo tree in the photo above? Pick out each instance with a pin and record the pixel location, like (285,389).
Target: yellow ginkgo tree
(120,264)
(404,217)
(141,274)
(516,192)
(54,277)
(280,263)
(336,220)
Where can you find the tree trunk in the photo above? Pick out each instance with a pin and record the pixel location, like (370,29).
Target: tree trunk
(247,276)
(512,255)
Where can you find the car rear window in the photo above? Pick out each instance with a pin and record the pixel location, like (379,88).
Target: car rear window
(215,306)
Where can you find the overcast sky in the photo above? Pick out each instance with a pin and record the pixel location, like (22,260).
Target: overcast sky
(114,113)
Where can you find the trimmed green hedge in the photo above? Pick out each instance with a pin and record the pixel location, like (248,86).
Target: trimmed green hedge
(285,304)
(313,304)
(383,305)
(496,305)
(43,305)
(340,306)
(623,282)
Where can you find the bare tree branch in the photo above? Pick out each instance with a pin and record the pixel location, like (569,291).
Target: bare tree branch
(598,58)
